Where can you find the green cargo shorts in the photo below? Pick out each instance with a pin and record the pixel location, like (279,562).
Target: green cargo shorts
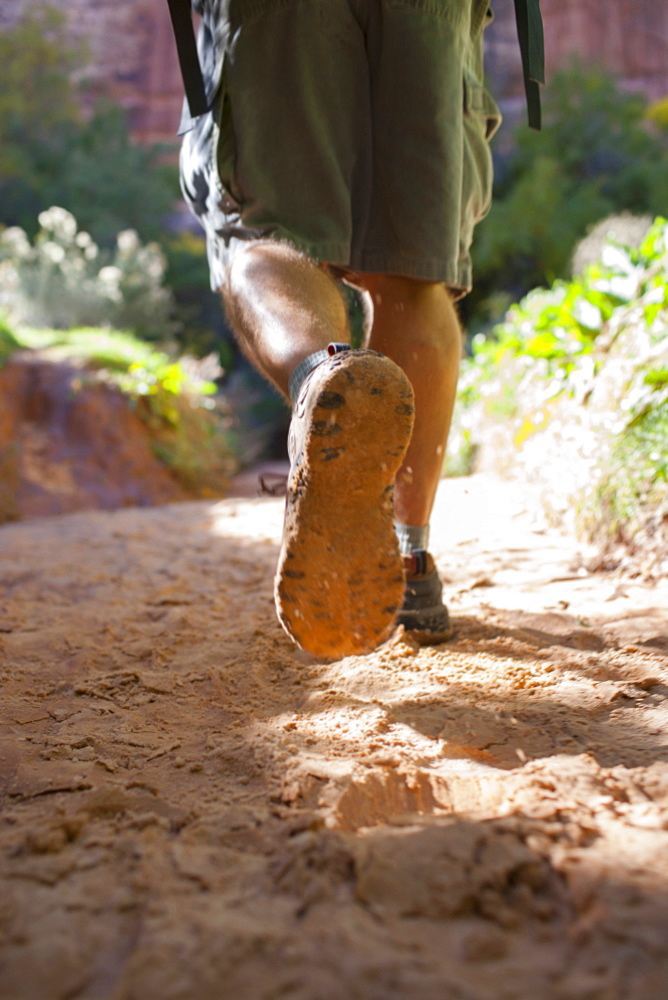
(357,130)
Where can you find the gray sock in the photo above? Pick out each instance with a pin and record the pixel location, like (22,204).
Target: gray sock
(412,536)
(308,364)
(302,370)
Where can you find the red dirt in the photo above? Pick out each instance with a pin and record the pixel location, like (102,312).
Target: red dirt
(68,443)
(193,810)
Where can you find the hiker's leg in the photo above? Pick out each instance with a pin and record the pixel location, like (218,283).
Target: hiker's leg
(282,308)
(415,324)
(339,580)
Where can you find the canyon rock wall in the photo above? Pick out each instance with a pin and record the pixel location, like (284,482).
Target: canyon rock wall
(132,58)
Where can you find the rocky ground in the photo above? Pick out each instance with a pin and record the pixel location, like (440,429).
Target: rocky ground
(190,809)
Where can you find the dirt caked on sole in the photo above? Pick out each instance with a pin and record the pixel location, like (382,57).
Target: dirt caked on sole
(340,577)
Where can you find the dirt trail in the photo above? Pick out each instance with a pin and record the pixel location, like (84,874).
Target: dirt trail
(191,810)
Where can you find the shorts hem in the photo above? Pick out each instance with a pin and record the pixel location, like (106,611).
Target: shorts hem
(456,276)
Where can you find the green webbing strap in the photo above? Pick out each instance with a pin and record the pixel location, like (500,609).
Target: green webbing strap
(186,47)
(530,35)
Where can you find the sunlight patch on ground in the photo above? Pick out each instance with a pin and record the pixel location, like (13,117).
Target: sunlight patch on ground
(256,520)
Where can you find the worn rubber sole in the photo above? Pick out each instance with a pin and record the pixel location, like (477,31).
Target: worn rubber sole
(340,577)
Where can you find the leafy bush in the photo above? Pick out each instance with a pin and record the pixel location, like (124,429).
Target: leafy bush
(51,153)
(8,340)
(572,391)
(201,326)
(190,425)
(658,113)
(598,154)
(108,181)
(62,279)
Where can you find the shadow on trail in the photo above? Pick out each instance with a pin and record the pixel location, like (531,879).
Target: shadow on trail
(152,710)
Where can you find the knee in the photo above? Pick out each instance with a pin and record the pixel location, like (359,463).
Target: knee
(434,321)
(420,314)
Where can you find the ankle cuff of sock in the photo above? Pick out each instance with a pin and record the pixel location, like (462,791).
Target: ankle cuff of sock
(411,537)
(308,364)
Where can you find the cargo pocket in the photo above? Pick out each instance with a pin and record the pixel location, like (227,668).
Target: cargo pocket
(481,120)
(481,16)
(479,104)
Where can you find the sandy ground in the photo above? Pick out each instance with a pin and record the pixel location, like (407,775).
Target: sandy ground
(192,810)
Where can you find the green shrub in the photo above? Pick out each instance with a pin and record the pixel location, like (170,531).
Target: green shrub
(598,154)
(572,392)
(62,279)
(136,367)
(190,424)
(634,477)
(8,340)
(201,327)
(51,153)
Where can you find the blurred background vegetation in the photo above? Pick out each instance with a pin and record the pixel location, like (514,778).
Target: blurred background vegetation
(601,152)
(115,254)
(570,394)
(51,154)
(129,264)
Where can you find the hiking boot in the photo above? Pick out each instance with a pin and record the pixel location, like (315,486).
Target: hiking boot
(423,614)
(340,576)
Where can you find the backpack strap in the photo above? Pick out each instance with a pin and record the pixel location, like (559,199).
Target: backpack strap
(529,32)
(186,47)
(532,49)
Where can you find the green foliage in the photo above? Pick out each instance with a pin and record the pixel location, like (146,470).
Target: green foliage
(596,155)
(50,154)
(190,425)
(556,326)
(8,340)
(62,279)
(129,362)
(37,103)
(109,182)
(575,381)
(194,443)
(658,113)
(36,96)
(201,328)
(635,476)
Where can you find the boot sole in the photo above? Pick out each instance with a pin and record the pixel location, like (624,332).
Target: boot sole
(340,578)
